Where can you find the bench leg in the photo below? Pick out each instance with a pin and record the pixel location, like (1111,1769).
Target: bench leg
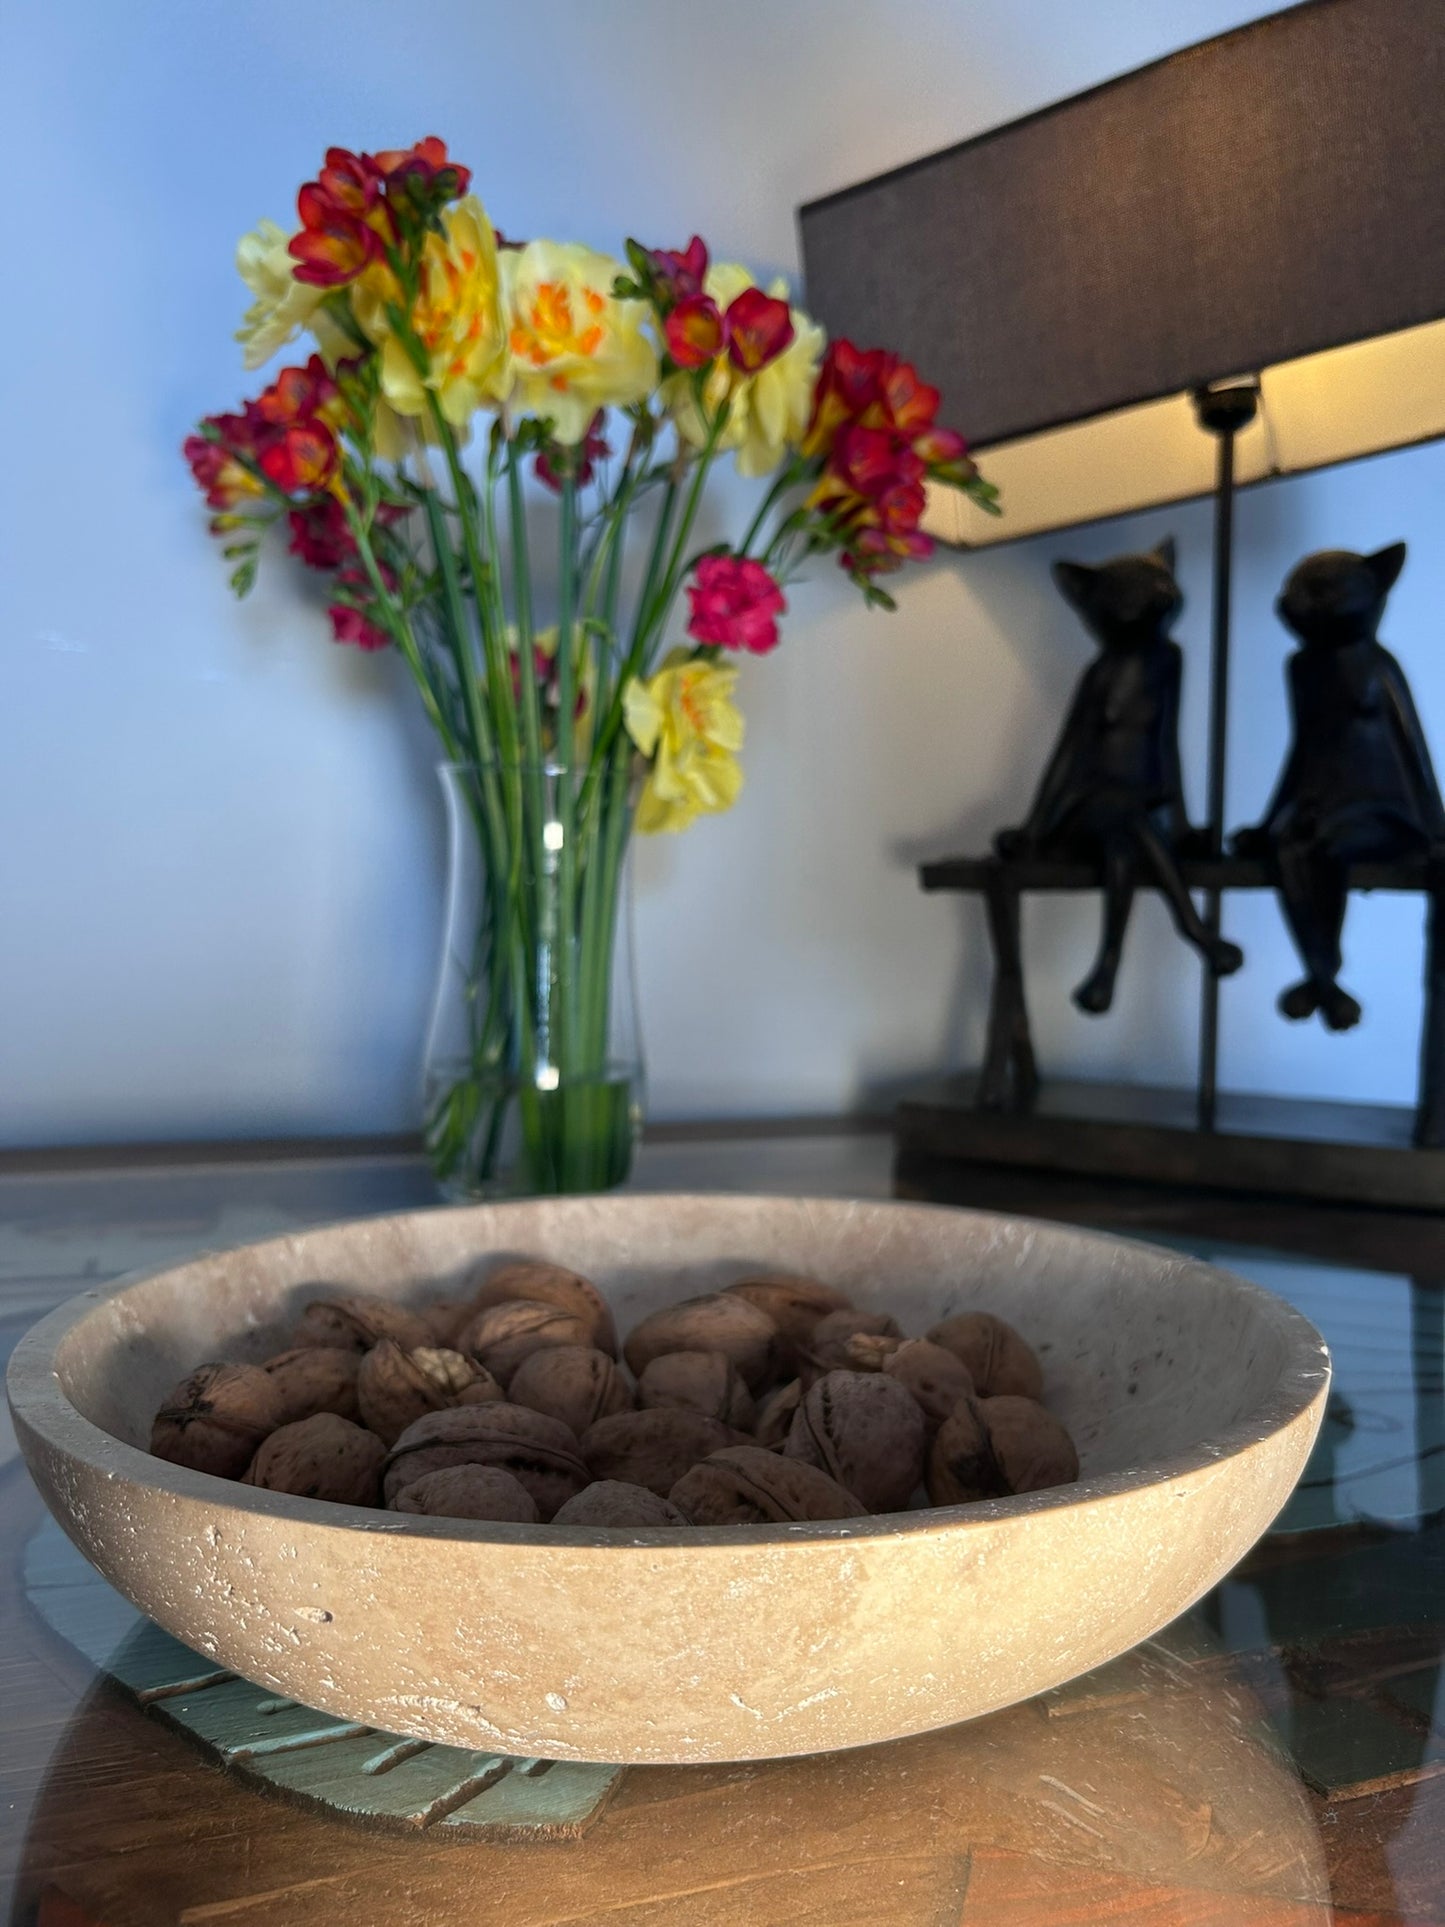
(1010,1078)
(1430,1117)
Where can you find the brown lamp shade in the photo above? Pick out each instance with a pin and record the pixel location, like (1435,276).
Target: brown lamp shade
(1271,203)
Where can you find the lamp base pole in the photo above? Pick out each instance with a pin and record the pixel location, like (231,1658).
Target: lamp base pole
(1223,409)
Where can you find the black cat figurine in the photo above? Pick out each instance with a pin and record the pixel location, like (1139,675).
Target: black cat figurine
(1113,792)
(1357,785)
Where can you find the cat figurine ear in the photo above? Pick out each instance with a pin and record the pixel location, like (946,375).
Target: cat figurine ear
(1075,582)
(1164,552)
(1385,566)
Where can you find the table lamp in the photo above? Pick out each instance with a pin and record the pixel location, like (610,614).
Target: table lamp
(1225,267)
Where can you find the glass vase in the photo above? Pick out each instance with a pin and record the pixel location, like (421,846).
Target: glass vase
(533,1068)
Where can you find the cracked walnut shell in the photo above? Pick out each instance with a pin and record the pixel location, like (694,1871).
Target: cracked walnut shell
(394,1388)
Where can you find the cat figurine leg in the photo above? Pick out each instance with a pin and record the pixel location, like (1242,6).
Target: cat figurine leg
(1222,956)
(1096,993)
(1313,895)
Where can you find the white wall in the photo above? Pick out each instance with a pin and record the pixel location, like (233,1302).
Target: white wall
(219,846)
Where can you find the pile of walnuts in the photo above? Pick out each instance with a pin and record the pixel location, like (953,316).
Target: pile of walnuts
(775,1400)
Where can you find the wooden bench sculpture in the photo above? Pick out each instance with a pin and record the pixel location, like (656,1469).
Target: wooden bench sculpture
(1009,1077)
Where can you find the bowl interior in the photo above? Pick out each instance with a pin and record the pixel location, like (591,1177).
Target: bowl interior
(1147,1355)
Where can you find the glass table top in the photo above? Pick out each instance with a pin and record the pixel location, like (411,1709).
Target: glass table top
(1277,1756)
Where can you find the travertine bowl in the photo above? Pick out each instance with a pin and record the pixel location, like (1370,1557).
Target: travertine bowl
(1194,1399)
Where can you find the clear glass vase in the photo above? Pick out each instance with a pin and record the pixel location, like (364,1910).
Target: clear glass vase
(533,1066)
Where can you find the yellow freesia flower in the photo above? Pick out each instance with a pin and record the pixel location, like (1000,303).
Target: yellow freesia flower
(574,348)
(456,317)
(771,409)
(685,720)
(283,305)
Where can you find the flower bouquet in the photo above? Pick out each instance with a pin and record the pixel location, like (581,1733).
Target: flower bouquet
(453,367)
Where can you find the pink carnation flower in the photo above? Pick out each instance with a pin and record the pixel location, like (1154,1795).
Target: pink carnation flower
(735,605)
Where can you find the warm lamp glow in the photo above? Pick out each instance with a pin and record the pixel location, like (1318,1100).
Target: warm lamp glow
(1327,408)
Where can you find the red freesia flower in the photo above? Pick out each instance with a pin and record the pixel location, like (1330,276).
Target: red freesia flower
(759,328)
(873,422)
(301,456)
(321,535)
(344,220)
(350,625)
(298,393)
(554,461)
(424,167)
(353,623)
(868,462)
(695,331)
(226,481)
(678,276)
(847,388)
(735,605)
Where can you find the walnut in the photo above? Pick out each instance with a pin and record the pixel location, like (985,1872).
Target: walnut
(704,1382)
(540,1453)
(216,1417)
(574,1383)
(775,1415)
(864,1430)
(355,1323)
(746,1485)
(323,1457)
(548,1284)
(938,1379)
(314,1378)
(719,1322)
(469,1492)
(831,1347)
(652,1448)
(962,1467)
(794,1304)
(1032,1448)
(446,1318)
(504,1334)
(999,1360)
(613,1502)
(394,1387)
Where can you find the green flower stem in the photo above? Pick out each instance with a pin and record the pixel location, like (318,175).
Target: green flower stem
(400,631)
(791,475)
(609,724)
(458,631)
(522,594)
(484,587)
(600,910)
(567,865)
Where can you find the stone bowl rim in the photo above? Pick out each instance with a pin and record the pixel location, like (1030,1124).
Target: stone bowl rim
(42,1407)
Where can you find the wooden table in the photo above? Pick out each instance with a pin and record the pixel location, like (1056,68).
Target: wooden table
(1275,1759)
